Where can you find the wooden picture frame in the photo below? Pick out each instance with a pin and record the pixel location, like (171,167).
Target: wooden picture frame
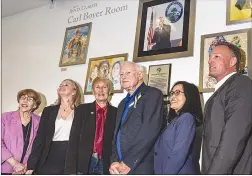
(165,30)
(106,67)
(75,45)
(241,38)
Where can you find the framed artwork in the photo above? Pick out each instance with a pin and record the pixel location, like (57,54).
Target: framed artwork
(75,45)
(241,38)
(106,67)
(165,30)
(238,11)
(159,77)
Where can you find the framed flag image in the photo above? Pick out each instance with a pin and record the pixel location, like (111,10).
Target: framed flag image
(238,11)
(165,30)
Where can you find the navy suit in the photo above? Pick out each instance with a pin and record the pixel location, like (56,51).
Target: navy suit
(139,130)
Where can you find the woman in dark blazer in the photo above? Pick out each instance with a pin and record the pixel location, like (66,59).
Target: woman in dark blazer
(176,150)
(90,145)
(50,147)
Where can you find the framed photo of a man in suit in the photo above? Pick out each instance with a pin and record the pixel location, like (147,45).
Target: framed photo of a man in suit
(165,30)
(240,38)
(238,11)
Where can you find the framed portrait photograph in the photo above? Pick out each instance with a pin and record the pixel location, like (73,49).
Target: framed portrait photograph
(159,77)
(165,30)
(240,38)
(106,67)
(75,45)
(238,11)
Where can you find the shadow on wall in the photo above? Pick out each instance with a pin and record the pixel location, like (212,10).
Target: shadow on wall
(82,92)
(42,105)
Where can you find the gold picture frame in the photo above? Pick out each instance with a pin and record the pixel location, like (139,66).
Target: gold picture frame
(106,67)
(176,28)
(238,37)
(238,11)
(75,45)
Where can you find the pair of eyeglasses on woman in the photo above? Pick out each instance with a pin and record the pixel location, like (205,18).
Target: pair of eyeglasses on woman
(30,99)
(176,93)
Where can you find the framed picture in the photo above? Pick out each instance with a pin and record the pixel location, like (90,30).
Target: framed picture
(159,77)
(75,45)
(106,67)
(238,11)
(165,30)
(241,38)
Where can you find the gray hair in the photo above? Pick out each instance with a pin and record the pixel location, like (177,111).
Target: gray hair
(137,66)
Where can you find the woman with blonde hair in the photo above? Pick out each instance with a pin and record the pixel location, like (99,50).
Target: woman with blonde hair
(49,150)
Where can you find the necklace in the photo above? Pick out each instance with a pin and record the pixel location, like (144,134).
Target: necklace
(65,109)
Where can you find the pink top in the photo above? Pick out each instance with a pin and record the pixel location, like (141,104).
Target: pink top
(13,140)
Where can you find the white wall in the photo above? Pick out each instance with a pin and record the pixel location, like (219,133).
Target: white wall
(32,42)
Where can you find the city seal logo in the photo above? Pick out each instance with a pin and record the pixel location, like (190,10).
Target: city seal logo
(174,11)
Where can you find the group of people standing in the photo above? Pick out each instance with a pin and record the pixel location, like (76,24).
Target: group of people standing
(97,138)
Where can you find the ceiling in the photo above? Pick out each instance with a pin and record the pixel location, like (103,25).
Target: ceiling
(12,7)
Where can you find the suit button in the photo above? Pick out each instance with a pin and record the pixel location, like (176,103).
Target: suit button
(155,153)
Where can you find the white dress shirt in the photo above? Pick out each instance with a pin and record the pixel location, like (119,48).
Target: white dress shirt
(219,84)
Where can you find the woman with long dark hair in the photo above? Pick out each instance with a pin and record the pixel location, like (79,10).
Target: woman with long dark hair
(176,150)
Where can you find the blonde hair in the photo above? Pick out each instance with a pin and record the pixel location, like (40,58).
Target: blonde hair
(77,98)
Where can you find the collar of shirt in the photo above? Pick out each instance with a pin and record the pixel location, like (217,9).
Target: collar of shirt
(129,97)
(219,84)
(97,107)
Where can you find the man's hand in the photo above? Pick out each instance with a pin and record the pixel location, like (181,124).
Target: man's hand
(114,168)
(123,168)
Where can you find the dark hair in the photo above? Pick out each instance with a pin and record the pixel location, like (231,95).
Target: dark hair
(103,62)
(192,104)
(236,52)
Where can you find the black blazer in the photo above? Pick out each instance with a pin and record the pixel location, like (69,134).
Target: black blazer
(81,141)
(227,136)
(139,131)
(43,140)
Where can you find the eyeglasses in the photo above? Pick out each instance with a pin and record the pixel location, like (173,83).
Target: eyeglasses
(29,99)
(176,93)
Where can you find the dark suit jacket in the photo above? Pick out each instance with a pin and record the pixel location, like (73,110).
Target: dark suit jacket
(81,141)
(43,140)
(227,138)
(162,37)
(139,131)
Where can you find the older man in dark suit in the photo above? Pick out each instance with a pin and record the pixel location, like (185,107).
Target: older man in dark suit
(227,136)
(138,123)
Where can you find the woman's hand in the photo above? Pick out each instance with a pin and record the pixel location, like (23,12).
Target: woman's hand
(29,172)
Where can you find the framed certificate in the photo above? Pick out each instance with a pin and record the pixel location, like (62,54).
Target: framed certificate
(159,77)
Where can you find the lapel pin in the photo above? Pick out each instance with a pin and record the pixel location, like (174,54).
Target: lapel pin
(92,112)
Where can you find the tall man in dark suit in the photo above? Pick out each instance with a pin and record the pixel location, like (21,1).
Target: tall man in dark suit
(227,136)
(161,37)
(138,123)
